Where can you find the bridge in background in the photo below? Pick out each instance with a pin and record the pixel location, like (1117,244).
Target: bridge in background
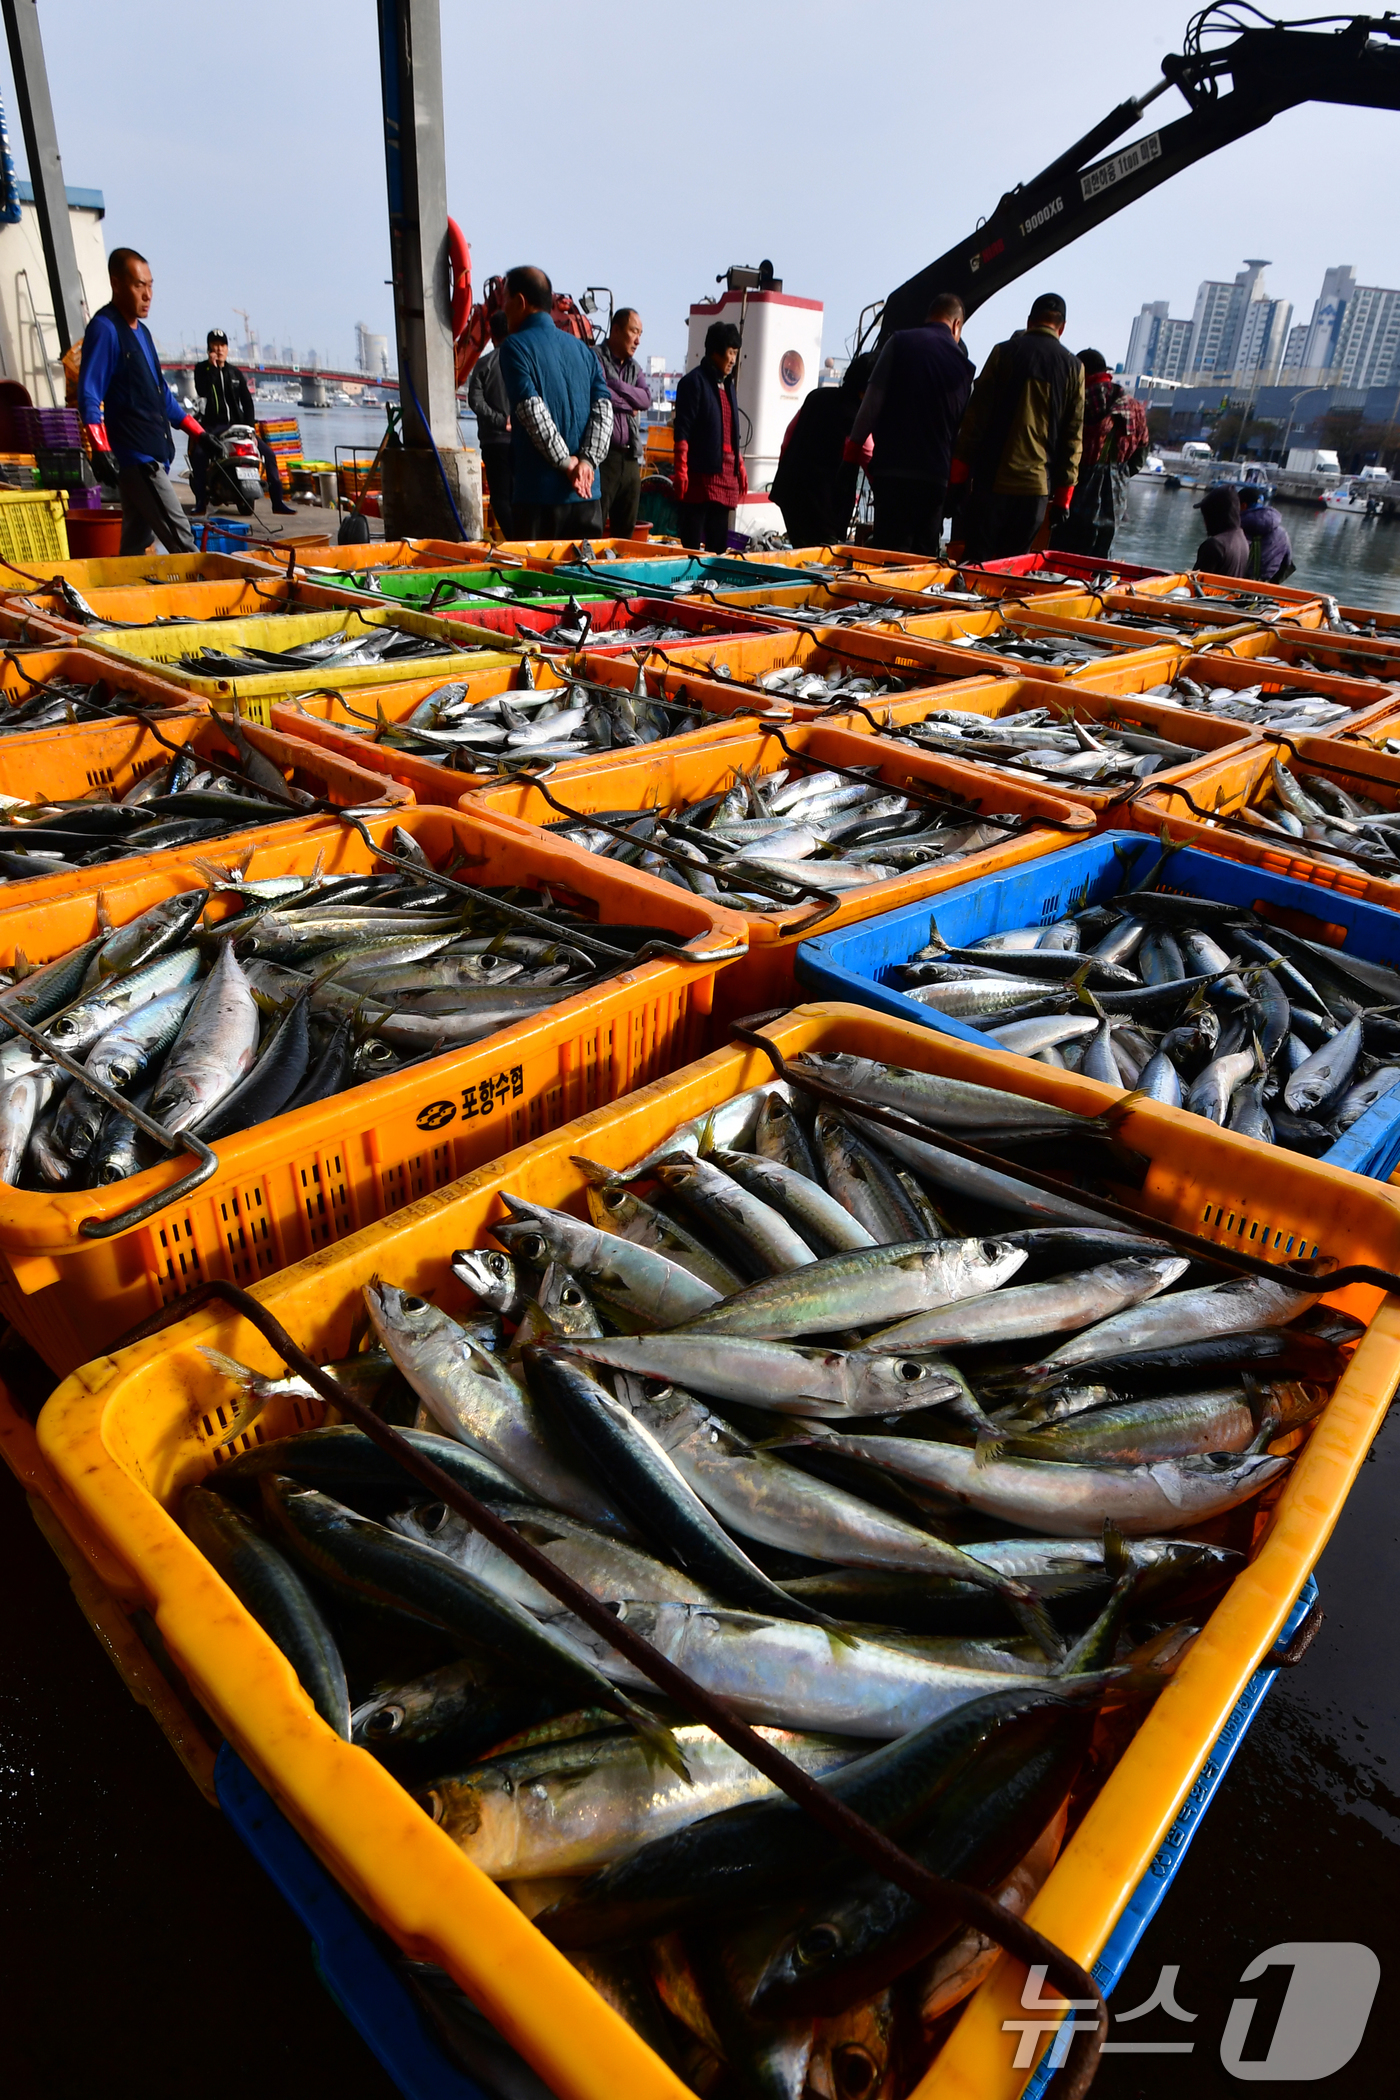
(314,384)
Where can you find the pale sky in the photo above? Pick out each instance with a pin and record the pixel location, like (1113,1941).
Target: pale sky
(649,147)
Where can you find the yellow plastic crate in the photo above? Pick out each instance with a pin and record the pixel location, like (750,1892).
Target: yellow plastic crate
(33,525)
(128,1433)
(477,649)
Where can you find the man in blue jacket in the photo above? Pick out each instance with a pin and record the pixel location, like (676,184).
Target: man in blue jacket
(129,411)
(560,416)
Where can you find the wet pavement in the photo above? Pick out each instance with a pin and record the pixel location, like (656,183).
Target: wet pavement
(144,1951)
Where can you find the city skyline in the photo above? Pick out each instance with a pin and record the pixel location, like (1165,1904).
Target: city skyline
(1239,335)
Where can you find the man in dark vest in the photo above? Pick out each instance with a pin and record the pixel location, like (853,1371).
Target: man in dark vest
(1020,439)
(128,411)
(912,409)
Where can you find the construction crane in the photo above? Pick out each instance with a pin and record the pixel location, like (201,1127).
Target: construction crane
(1268,66)
(247,329)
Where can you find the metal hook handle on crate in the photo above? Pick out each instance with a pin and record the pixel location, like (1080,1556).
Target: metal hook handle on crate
(1301,1274)
(315,806)
(828,901)
(1228,822)
(834,1816)
(628,958)
(184,1141)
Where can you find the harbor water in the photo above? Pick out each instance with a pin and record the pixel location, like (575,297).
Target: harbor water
(1355,559)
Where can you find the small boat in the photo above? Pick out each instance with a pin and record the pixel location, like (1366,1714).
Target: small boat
(1364,495)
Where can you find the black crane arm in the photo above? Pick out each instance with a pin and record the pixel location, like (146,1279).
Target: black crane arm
(1269,69)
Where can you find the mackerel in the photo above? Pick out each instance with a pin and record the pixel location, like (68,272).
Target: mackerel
(572,1807)
(860,1289)
(618,1270)
(1068,1303)
(474,1398)
(770,1500)
(778,1375)
(1072,1501)
(1236,1307)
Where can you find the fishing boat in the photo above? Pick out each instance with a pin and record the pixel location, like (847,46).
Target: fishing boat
(1369,494)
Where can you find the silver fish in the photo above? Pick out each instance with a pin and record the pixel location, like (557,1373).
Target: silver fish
(473,1397)
(766,1498)
(568,1808)
(1073,1501)
(215,1047)
(1325,1071)
(1067,1303)
(777,1375)
(788,1675)
(862,1289)
(1236,1307)
(617,1270)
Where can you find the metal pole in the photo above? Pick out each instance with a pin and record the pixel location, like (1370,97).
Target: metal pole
(45,169)
(410,54)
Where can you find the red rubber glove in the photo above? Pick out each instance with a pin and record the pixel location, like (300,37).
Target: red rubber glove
(743,475)
(104,465)
(959,472)
(680,471)
(857,453)
(1062,498)
(192,427)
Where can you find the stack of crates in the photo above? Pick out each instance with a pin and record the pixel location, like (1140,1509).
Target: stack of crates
(47,429)
(53,437)
(282,436)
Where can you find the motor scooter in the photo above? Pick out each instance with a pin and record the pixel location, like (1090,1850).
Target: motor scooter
(234,477)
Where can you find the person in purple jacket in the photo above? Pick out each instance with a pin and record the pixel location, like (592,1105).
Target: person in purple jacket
(621,475)
(1270,549)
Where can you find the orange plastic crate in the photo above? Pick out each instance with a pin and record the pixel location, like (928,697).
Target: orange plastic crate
(1068,616)
(120,571)
(1301,608)
(348,722)
(884,650)
(224,598)
(1343,655)
(662,775)
(1370,701)
(303,1180)
(1241,781)
(126,1436)
(27,626)
(58,765)
(1112,698)
(24,673)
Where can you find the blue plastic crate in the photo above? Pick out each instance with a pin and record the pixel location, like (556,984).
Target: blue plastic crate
(1142,1906)
(221,535)
(855,964)
(369,1991)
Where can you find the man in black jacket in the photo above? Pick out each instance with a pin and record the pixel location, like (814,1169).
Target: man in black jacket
(225,399)
(912,409)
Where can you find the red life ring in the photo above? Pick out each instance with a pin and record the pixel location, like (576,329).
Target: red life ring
(459,257)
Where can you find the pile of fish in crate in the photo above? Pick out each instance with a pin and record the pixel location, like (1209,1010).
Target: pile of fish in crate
(866,1399)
